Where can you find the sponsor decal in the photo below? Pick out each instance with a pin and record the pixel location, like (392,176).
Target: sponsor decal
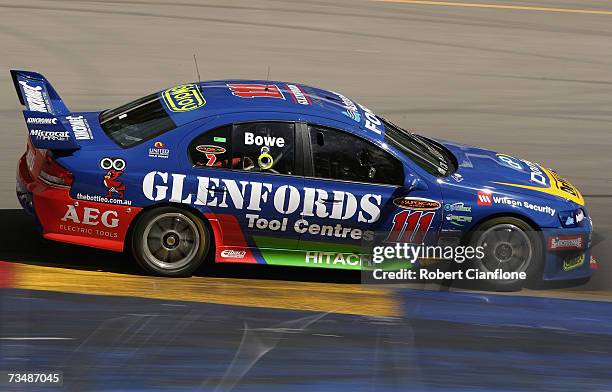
(371,121)
(524,204)
(579,216)
(183,98)
(536,173)
(302,226)
(457,207)
(35,97)
(333,258)
(573,262)
(41,121)
(416,203)
(458,220)
(457,177)
(91,216)
(298,95)
(102,199)
(484,198)
(233,254)
(566,242)
(254,196)
(550,183)
(89,221)
(80,127)
(219,139)
(37,134)
(510,161)
(593,264)
(159,150)
(210,149)
(563,185)
(114,169)
(246,90)
(351,110)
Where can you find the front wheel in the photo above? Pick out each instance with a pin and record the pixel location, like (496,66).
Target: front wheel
(168,241)
(511,245)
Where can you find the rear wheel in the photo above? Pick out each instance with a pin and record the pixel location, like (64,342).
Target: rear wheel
(510,245)
(169,241)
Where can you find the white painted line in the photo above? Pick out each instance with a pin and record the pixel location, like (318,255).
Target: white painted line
(36,338)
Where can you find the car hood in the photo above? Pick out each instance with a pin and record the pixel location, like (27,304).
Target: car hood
(489,168)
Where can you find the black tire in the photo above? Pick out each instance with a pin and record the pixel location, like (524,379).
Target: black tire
(512,245)
(168,241)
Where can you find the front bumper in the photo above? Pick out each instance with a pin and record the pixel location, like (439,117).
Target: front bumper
(568,264)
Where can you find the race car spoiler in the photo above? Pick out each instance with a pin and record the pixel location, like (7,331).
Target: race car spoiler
(43,104)
(37,94)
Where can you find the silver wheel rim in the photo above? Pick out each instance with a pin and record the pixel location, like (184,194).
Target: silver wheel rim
(171,240)
(506,247)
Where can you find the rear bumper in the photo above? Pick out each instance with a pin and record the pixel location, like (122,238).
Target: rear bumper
(62,218)
(25,198)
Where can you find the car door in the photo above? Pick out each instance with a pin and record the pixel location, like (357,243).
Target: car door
(254,184)
(358,195)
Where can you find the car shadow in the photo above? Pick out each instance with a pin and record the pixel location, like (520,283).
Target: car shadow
(22,243)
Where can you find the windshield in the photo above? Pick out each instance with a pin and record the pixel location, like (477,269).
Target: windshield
(137,121)
(426,153)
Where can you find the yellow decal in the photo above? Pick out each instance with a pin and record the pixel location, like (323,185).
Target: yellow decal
(573,262)
(183,98)
(558,187)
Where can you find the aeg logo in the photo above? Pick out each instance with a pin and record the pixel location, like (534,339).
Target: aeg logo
(91,217)
(484,198)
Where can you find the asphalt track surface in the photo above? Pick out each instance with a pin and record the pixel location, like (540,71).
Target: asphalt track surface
(527,78)
(446,344)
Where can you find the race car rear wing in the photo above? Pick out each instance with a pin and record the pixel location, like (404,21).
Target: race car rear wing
(37,94)
(43,106)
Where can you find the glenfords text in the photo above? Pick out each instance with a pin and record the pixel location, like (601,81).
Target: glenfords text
(250,195)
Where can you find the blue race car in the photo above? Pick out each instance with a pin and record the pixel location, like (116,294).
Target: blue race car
(251,171)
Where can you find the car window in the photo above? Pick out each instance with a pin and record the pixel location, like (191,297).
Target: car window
(212,148)
(341,156)
(137,121)
(264,147)
(426,153)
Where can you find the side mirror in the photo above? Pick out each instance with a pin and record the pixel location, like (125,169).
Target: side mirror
(414,183)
